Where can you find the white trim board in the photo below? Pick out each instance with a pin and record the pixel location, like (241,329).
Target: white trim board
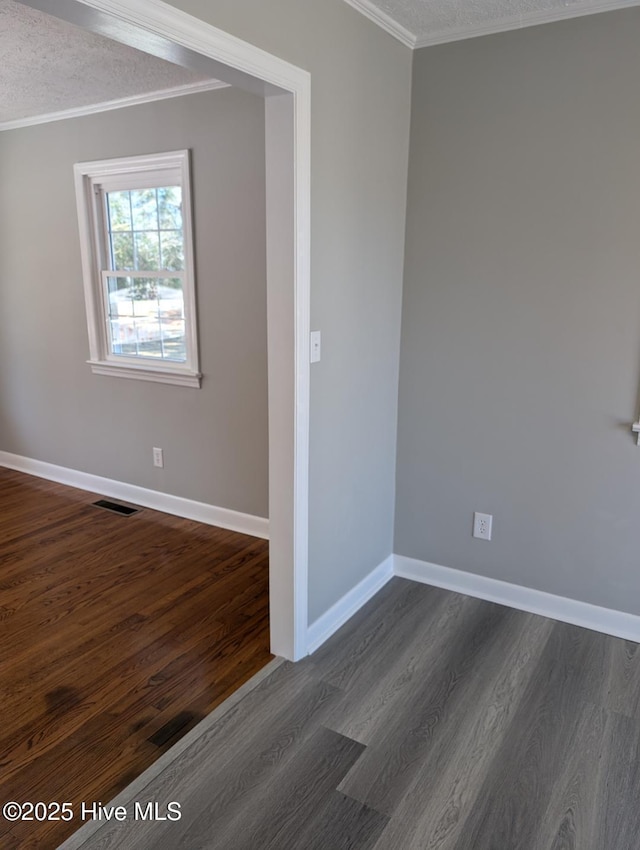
(119,103)
(371,11)
(329,622)
(606,620)
(176,505)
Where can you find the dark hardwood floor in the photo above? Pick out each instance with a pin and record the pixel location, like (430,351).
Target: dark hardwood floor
(431,721)
(117,635)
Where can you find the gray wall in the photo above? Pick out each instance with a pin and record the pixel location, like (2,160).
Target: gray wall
(52,408)
(520,359)
(361,89)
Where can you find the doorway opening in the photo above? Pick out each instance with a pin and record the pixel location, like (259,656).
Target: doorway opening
(171,34)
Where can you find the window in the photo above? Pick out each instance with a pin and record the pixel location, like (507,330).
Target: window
(137,256)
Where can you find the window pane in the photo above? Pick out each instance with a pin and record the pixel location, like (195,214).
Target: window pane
(142,290)
(171,301)
(119,211)
(123,337)
(172,250)
(145,210)
(171,312)
(170,207)
(122,250)
(120,303)
(147,251)
(149,336)
(174,340)
(115,284)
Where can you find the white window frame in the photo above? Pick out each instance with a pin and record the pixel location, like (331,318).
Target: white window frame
(92,180)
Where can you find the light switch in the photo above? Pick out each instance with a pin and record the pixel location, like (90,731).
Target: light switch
(315,347)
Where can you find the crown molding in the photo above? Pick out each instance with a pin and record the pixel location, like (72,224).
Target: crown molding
(386,22)
(515,22)
(119,103)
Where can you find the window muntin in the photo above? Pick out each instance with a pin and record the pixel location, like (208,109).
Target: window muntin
(141,299)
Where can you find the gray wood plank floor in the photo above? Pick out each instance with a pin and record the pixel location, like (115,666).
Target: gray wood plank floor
(431,720)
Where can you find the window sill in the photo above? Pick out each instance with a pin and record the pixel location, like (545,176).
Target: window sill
(146,373)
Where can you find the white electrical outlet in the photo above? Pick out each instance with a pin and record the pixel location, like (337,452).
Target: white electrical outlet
(482,526)
(158,457)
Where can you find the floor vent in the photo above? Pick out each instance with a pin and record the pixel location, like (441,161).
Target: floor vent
(114,507)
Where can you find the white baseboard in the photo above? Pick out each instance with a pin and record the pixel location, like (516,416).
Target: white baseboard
(176,505)
(322,629)
(617,623)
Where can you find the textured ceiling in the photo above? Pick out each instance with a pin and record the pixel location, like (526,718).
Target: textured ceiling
(423,22)
(48,65)
(428,16)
